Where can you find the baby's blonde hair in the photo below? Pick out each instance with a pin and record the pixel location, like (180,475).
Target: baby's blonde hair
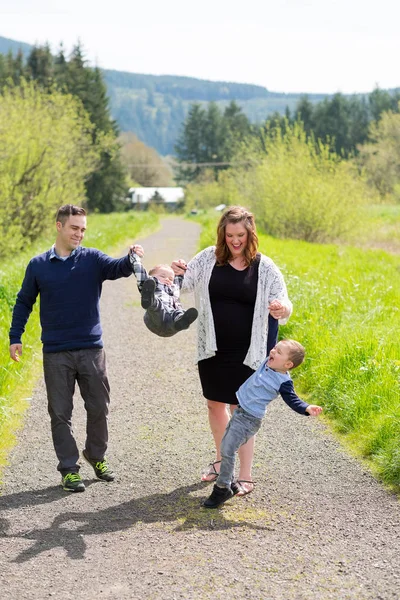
(156,269)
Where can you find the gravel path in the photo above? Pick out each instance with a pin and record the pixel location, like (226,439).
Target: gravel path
(318,526)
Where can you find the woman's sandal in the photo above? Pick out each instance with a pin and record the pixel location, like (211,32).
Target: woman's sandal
(210,473)
(242,490)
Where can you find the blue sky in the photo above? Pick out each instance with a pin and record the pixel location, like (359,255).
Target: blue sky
(287,46)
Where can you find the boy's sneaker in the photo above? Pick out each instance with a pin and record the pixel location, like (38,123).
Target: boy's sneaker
(218,496)
(186,319)
(101,468)
(148,289)
(72,482)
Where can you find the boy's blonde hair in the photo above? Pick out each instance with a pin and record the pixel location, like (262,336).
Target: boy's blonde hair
(296,352)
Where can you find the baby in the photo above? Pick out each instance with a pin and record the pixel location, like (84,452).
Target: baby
(160,291)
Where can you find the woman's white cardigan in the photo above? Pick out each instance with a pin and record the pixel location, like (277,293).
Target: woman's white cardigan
(271,286)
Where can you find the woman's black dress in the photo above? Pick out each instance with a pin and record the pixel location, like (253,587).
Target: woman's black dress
(233,296)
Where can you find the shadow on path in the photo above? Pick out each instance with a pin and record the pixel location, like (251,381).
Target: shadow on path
(36,497)
(68,529)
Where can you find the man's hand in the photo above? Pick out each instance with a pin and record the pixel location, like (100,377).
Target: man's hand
(137,249)
(16,351)
(313,410)
(179,266)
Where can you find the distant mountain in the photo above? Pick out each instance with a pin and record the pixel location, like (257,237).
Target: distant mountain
(6,45)
(154,107)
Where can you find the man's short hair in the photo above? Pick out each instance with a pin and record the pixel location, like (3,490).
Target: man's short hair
(68,210)
(296,352)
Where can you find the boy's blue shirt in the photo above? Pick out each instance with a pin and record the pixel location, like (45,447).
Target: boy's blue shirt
(265,385)
(70,293)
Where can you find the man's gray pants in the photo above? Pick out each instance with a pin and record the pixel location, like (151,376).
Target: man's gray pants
(87,367)
(241,427)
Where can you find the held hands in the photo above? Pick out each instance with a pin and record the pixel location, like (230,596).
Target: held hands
(277,309)
(137,249)
(16,351)
(179,266)
(313,410)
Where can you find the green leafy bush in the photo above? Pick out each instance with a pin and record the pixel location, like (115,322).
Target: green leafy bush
(46,152)
(302,190)
(298,189)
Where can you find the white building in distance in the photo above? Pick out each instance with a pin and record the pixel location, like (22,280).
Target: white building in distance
(170,196)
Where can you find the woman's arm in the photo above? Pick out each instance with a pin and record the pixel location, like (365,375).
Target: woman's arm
(279,310)
(179,266)
(193,270)
(280,307)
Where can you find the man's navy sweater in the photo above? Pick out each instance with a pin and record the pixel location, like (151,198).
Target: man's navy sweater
(69,298)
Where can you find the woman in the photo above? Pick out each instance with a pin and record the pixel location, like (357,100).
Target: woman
(240,295)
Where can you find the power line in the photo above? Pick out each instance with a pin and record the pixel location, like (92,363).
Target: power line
(192,165)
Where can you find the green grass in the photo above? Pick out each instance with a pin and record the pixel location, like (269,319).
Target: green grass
(110,233)
(383,227)
(347,315)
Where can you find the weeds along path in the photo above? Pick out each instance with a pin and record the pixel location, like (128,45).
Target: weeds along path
(318,526)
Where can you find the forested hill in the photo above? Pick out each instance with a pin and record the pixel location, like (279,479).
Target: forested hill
(6,45)
(186,88)
(155,106)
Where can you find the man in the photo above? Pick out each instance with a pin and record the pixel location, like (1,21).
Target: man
(69,279)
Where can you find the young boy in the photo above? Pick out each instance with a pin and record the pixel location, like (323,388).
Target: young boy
(160,290)
(269,381)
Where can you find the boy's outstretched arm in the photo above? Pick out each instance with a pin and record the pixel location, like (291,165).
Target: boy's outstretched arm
(314,410)
(291,398)
(297,404)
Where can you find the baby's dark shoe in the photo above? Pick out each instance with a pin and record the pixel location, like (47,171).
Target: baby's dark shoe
(148,289)
(184,321)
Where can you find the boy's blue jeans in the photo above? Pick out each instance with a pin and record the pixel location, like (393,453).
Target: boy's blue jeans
(240,429)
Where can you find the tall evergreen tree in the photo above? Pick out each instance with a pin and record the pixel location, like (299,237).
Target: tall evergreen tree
(3,71)
(305,113)
(190,147)
(40,66)
(331,122)
(236,122)
(107,185)
(211,137)
(359,122)
(14,67)
(381,101)
(236,128)
(61,69)
(213,143)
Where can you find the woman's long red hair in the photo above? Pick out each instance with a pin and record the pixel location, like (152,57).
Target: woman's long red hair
(236,214)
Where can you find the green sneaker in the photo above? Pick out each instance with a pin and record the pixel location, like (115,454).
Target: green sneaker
(72,482)
(101,468)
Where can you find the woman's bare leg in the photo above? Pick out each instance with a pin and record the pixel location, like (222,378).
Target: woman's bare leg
(218,417)
(246,454)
